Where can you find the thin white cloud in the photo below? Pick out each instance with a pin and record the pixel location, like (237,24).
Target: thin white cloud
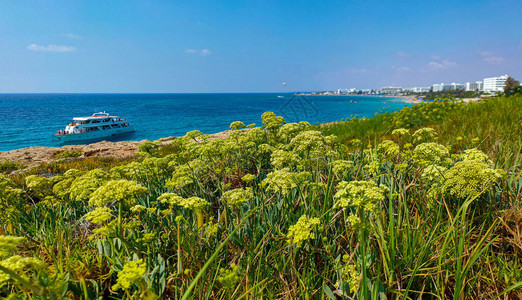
(445,64)
(490,57)
(71,35)
(401,69)
(202,52)
(51,48)
(401,54)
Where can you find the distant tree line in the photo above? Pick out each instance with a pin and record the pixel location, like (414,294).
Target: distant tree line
(452,94)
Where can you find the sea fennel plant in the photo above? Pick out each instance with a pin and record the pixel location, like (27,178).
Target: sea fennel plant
(362,198)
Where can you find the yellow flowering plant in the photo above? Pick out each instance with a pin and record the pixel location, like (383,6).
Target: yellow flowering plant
(236,197)
(132,273)
(195,204)
(341,167)
(16,269)
(424,135)
(283,181)
(121,191)
(236,125)
(431,153)
(469,178)
(302,230)
(363,197)
(229,278)
(40,185)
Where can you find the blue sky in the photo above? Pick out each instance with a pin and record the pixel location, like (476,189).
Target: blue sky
(254,46)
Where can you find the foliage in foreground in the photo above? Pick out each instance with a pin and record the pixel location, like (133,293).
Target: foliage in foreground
(281,211)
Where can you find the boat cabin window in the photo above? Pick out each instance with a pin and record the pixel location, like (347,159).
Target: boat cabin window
(96,121)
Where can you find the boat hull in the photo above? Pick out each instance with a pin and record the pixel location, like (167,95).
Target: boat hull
(94,135)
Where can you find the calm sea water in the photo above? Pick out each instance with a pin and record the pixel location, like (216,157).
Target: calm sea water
(32,119)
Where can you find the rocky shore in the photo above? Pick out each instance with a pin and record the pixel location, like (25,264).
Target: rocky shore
(34,156)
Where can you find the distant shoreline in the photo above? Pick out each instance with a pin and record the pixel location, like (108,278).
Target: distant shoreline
(408,99)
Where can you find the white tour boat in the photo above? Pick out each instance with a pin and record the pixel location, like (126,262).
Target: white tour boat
(98,126)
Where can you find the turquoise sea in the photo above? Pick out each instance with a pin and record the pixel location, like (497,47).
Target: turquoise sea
(32,119)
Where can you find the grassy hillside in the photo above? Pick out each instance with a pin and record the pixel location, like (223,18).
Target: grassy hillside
(421,203)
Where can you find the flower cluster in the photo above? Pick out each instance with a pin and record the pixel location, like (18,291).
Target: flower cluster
(99,215)
(39,184)
(235,198)
(431,153)
(341,167)
(8,192)
(8,244)
(147,238)
(281,159)
(363,195)
(121,190)
(388,148)
(284,181)
(145,148)
(476,155)
(15,263)
(229,277)
(171,199)
(468,178)
(400,132)
(19,265)
(236,125)
(425,135)
(181,177)
(272,122)
(193,203)
(186,174)
(131,171)
(432,174)
(289,130)
(373,167)
(83,186)
(248,178)
(131,273)
(350,274)
(309,144)
(302,230)
(194,135)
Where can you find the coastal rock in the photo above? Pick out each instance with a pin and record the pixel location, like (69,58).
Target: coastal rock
(34,156)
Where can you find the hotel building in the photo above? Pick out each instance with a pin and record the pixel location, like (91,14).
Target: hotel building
(474,86)
(495,84)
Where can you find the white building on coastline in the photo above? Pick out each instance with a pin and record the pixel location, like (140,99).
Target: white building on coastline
(423,89)
(446,87)
(418,89)
(390,90)
(474,86)
(439,87)
(495,84)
